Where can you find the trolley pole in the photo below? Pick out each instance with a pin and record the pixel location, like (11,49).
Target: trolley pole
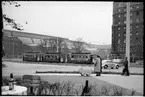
(128,33)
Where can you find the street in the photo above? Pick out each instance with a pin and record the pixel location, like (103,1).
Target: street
(26,68)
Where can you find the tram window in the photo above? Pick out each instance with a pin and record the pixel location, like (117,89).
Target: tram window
(79,56)
(75,56)
(72,56)
(48,56)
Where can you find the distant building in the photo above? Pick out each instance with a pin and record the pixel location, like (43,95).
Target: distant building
(136,30)
(16,43)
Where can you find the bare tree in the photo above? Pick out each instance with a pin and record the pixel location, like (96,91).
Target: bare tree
(43,45)
(57,43)
(78,45)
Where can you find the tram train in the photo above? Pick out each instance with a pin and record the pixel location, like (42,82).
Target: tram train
(58,57)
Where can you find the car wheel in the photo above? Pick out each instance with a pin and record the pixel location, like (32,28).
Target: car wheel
(105,67)
(112,67)
(117,67)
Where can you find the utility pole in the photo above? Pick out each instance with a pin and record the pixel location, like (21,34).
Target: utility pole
(12,36)
(57,45)
(128,32)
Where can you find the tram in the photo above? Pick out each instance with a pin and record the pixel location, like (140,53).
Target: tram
(82,58)
(32,56)
(58,57)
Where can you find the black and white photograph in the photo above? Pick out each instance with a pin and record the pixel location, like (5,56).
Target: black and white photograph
(72,48)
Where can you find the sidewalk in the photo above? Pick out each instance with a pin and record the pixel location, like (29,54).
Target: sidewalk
(134,82)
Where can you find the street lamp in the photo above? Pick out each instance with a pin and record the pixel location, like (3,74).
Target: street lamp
(12,36)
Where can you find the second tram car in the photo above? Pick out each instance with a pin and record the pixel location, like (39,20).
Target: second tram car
(81,58)
(32,56)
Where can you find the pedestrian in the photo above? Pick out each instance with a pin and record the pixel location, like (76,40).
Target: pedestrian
(125,69)
(100,65)
(97,65)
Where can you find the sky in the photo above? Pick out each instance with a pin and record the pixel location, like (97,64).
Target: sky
(91,21)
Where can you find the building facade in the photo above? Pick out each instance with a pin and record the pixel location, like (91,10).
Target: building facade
(136,30)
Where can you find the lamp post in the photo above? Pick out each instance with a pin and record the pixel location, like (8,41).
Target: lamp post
(12,36)
(128,32)
(57,45)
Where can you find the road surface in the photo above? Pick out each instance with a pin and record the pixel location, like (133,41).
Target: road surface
(26,68)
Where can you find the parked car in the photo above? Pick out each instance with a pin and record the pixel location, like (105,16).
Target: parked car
(119,61)
(109,64)
(139,62)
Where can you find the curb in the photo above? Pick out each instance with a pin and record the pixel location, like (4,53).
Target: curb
(76,72)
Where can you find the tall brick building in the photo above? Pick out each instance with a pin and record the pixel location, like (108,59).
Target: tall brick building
(136,30)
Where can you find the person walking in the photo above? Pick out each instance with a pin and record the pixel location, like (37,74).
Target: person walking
(100,65)
(97,65)
(125,69)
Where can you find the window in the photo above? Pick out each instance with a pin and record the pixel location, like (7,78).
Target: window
(136,26)
(124,40)
(137,6)
(118,28)
(131,14)
(124,33)
(131,7)
(130,27)
(125,22)
(130,20)
(118,10)
(119,16)
(124,27)
(121,4)
(119,34)
(137,13)
(118,22)
(130,34)
(137,20)
(124,9)
(125,15)
(118,41)
(136,33)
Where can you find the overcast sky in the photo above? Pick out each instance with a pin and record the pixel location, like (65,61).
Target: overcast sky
(91,21)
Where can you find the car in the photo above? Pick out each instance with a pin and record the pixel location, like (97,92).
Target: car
(119,61)
(139,62)
(109,63)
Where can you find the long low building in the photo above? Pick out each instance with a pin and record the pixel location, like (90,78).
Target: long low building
(16,42)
